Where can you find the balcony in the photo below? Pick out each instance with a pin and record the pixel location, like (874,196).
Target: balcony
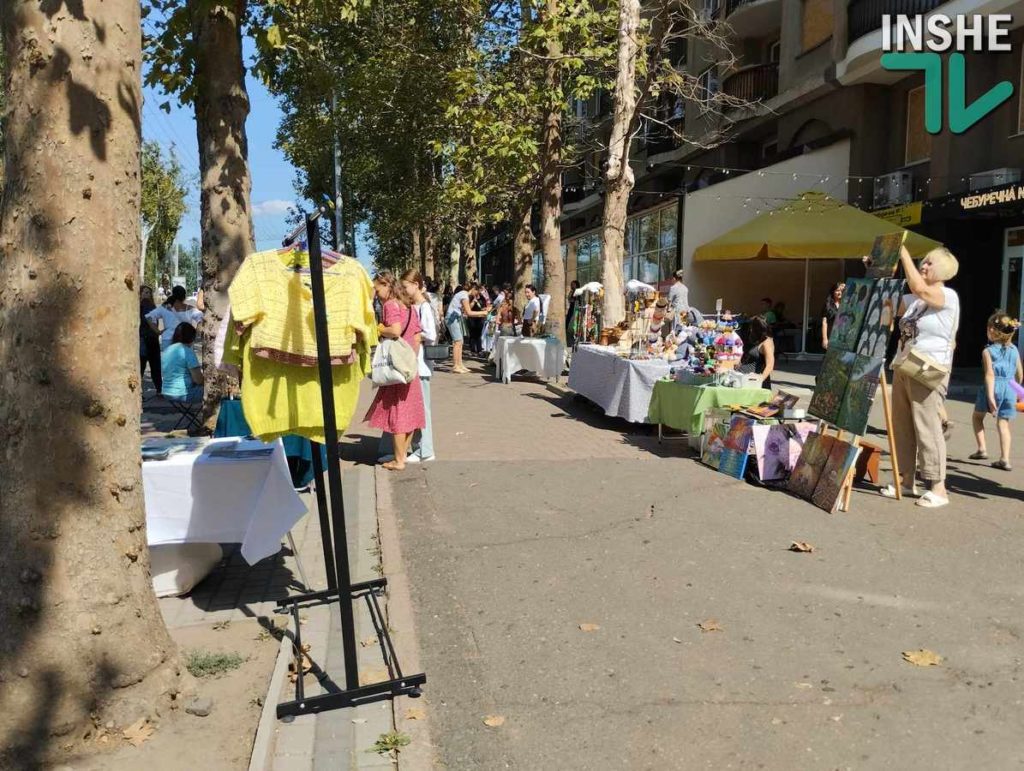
(757,83)
(862,63)
(753,18)
(864,16)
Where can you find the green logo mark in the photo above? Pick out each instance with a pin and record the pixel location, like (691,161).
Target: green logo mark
(961,115)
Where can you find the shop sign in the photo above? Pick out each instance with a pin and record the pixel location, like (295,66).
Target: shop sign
(904,216)
(1009,194)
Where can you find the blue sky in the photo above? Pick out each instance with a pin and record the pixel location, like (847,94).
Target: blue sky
(272,174)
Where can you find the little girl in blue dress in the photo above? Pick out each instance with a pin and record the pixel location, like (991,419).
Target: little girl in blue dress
(1002,363)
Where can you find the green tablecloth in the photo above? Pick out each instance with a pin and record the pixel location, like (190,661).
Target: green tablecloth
(682,406)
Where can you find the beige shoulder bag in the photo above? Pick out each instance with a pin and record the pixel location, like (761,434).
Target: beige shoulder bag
(922,367)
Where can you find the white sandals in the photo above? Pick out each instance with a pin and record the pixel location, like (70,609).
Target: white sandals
(889,491)
(932,501)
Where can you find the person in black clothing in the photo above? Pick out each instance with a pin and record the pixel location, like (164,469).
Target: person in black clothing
(570,308)
(760,351)
(149,341)
(476,323)
(828,313)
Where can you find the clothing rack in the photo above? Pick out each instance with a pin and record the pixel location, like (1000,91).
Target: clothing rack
(331,509)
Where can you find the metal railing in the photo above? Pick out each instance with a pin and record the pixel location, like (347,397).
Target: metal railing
(758,82)
(732,5)
(864,16)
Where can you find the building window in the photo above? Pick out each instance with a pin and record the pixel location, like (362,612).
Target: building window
(816,23)
(774,50)
(651,245)
(537,279)
(919,141)
(708,83)
(588,258)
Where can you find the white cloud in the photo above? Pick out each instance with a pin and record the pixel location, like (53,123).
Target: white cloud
(273,207)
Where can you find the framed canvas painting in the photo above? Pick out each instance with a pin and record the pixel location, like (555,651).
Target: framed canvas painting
(878,321)
(859,395)
(714,441)
(837,467)
(772,450)
(811,463)
(830,385)
(850,315)
(736,447)
(885,254)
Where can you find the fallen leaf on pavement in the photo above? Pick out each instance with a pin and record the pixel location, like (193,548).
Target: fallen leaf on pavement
(493,721)
(801,546)
(922,658)
(359,720)
(676,639)
(711,625)
(804,685)
(138,732)
(368,642)
(307,664)
(414,713)
(589,627)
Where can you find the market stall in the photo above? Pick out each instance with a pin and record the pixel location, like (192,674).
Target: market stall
(543,356)
(681,406)
(621,387)
(221,491)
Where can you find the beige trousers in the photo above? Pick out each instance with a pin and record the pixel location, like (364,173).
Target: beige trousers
(917,422)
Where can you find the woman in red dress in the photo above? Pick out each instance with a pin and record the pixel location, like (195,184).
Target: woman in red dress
(397,409)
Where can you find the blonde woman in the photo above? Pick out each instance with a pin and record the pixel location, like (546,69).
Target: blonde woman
(928,327)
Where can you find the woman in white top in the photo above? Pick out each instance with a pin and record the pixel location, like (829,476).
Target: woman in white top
(928,327)
(458,311)
(171,314)
(422,446)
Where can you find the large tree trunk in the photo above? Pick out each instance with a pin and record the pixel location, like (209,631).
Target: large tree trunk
(81,637)
(551,184)
(417,251)
(222,105)
(522,254)
(469,254)
(619,176)
(429,249)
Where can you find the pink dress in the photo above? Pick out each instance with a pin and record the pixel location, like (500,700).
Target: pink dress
(398,409)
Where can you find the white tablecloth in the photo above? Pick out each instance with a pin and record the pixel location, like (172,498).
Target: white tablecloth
(621,387)
(194,498)
(544,356)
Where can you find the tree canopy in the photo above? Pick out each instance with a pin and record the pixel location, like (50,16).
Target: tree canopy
(163,205)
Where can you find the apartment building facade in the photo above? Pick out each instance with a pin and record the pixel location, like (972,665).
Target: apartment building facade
(824,115)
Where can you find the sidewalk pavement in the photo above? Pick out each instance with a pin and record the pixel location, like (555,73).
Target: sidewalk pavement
(561,564)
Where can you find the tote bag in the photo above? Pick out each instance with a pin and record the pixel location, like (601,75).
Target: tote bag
(394,361)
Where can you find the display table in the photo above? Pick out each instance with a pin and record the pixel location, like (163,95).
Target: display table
(194,497)
(544,356)
(682,407)
(298,449)
(621,387)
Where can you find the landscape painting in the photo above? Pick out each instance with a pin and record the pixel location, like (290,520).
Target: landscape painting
(855,405)
(850,315)
(840,460)
(831,383)
(878,321)
(885,254)
(810,465)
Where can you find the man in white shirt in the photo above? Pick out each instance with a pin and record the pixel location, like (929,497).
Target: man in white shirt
(531,313)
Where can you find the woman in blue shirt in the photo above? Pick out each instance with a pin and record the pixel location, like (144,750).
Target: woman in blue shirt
(183,377)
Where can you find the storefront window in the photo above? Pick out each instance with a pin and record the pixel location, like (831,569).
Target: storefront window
(650,248)
(538,271)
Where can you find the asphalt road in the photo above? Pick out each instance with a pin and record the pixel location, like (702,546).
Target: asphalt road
(507,557)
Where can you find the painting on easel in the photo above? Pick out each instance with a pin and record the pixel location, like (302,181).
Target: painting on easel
(850,315)
(859,395)
(879,318)
(831,383)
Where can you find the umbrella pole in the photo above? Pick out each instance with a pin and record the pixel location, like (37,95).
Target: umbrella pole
(807,306)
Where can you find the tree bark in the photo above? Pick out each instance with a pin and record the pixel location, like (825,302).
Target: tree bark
(469,254)
(522,254)
(81,636)
(222,106)
(429,249)
(619,179)
(417,250)
(551,184)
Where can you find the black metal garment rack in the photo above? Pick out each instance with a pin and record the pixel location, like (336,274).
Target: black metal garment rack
(331,508)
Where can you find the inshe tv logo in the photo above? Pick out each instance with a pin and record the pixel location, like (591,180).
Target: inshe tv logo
(916,43)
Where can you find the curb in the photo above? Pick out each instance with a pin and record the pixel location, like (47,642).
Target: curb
(264,740)
(420,754)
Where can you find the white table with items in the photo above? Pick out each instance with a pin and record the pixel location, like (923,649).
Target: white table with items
(544,356)
(621,387)
(208,493)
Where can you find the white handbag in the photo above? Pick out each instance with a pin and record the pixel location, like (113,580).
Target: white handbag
(394,361)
